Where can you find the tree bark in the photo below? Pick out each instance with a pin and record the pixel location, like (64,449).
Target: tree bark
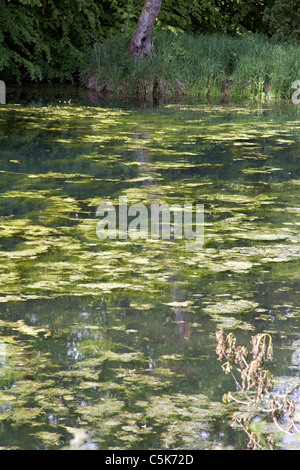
(140,44)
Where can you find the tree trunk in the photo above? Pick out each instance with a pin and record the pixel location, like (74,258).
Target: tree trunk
(140,44)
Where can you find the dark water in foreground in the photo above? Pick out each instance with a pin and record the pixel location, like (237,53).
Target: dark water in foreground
(117,337)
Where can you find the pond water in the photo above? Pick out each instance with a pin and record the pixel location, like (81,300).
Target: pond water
(117,337)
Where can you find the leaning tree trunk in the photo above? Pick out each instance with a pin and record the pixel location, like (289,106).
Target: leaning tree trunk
(140,44)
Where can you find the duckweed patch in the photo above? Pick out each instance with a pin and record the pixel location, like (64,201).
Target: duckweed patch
(116,337)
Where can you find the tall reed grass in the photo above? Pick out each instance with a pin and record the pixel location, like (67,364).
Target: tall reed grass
(208,66)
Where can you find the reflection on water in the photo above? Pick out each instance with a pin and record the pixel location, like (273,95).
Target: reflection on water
(116,337)
(156,196)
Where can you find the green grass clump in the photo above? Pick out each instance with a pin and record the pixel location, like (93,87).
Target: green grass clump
(206,66)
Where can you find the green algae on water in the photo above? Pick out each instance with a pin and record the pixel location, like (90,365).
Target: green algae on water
(116,337)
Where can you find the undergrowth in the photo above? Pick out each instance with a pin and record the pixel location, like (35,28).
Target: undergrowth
(208,66)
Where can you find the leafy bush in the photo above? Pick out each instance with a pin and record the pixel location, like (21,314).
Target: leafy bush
(46,40)
(222,16)
(50,40)
(283,19)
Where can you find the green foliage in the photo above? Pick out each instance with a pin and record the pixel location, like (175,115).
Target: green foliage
(251,66)
(45,41)
(48,41)
(232,16)
(284,19)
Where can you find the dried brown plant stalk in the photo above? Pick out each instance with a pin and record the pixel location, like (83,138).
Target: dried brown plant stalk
(256,385)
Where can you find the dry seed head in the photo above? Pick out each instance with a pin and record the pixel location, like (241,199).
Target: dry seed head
(221,347)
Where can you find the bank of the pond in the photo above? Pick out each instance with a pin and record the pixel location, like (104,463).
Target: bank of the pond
(208,66)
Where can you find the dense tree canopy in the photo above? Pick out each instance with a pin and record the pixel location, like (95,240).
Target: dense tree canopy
(49,39)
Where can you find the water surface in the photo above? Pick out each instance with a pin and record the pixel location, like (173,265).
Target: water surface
(117,337)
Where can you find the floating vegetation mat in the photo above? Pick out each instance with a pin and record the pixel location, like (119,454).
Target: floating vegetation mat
(116,337)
